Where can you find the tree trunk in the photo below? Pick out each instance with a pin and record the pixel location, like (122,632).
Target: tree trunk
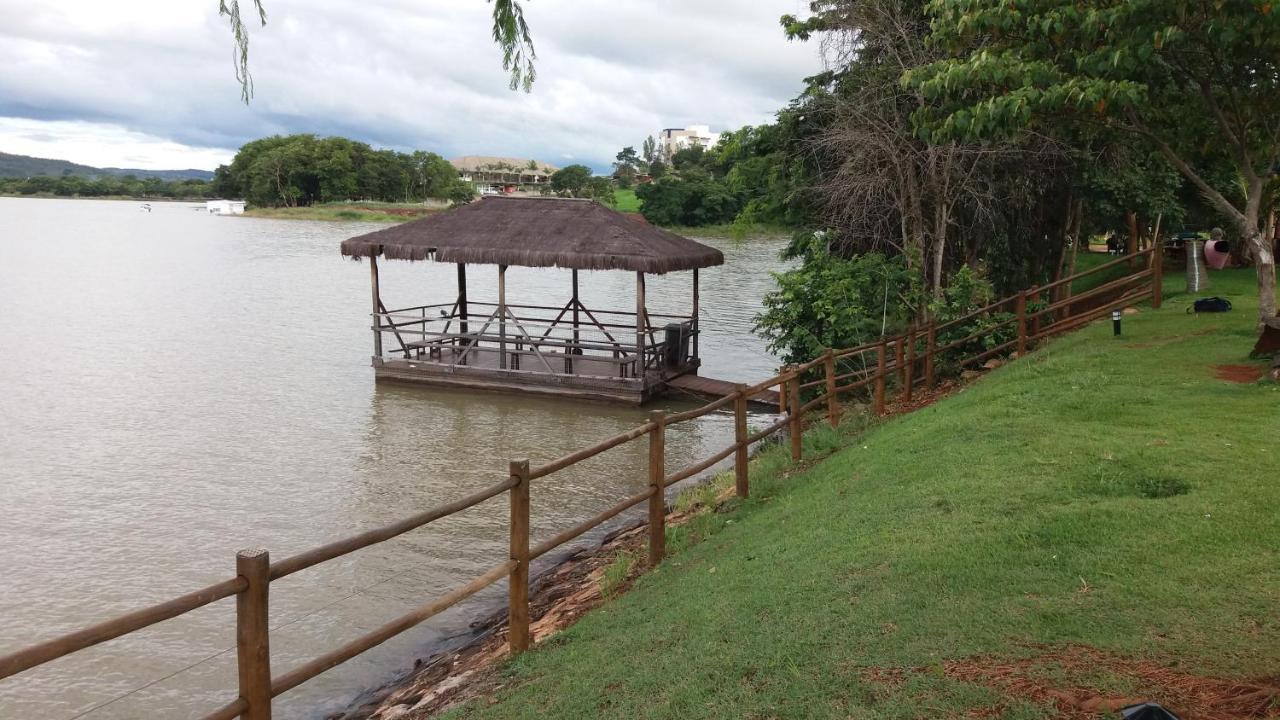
(1265,265)
(1131,248)
(940,221)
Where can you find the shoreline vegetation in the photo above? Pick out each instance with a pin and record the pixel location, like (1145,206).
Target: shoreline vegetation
(347,212)
(116,198)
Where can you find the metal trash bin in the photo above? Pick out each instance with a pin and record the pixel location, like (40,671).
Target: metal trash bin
(1197,273)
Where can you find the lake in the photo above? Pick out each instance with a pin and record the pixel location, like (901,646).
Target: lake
(175,386)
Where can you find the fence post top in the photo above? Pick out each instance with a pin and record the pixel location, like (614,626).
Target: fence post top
(519,467)
(252,554)
(658,416)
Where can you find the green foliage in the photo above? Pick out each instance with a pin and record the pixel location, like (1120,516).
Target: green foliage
(1197,82)
(301,170)
(510,33)
(966,292)
(832,301)
(571,180)
(689,201)
(753,176)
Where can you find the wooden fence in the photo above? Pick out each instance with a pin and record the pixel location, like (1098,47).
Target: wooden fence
(907,360)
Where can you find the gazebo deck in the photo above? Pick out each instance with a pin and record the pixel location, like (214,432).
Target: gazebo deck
(575,351)
(589,378)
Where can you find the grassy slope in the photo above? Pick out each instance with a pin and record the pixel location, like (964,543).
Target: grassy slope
(626,200)
(970,527)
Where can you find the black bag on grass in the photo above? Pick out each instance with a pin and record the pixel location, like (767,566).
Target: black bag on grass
(1210,304)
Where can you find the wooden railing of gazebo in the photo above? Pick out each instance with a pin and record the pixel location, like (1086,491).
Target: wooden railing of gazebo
(908,359)
(550,337)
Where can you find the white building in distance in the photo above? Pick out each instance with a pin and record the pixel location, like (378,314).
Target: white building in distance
(671,140)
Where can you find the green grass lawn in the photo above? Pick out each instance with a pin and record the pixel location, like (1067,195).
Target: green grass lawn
(1102,492)
(625,200)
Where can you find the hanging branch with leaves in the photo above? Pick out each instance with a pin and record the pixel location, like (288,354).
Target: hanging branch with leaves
(510,32)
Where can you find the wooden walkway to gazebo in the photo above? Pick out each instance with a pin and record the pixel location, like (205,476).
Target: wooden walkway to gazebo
(564,349)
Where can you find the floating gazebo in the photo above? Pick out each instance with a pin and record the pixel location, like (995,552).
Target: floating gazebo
(568,350)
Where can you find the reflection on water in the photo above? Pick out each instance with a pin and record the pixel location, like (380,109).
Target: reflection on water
(176,386)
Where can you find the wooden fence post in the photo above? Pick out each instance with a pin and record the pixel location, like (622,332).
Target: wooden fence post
(1022,323)
(793,409)
(881,350)
(253,645)
(911,365)
(782,389)
(833,402)
(518,581)
(897,360)
(657,478)
(1157,273)
(1035,321)
(931,347)
(740,458)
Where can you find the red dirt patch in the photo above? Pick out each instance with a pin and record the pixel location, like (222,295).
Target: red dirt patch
(1239,373)
(1065,678)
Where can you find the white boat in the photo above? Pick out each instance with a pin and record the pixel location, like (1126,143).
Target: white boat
(225,207)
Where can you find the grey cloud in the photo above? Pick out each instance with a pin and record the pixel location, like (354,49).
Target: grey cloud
(407,73)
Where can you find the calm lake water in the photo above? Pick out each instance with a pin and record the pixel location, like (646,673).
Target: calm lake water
(175,386)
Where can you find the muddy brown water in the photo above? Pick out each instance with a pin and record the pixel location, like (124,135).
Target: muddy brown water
(175,386)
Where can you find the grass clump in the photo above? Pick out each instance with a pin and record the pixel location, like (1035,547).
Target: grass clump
(1102,493)
(615,574)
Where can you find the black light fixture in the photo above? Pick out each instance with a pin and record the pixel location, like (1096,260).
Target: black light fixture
(1115,322)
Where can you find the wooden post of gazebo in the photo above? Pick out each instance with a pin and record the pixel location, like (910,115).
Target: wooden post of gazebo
(695,312)
(377,301)
(640,360)
(502,317)
(576,340)
(462,298)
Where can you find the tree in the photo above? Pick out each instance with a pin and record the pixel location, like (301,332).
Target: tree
(649,150)
(571,181)
(304,169)
(510,33)
(888,190)
(626,166)
(1182,76)
(694,156)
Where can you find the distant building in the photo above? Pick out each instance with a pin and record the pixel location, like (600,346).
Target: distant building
(672,140)
(503,174)
(225,207)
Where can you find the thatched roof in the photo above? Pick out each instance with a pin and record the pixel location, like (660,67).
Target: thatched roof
(537,232)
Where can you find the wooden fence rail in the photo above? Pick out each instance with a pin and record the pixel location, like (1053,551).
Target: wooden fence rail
(909,360)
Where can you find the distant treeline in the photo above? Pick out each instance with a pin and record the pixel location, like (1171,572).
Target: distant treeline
(122,186)
(301,170)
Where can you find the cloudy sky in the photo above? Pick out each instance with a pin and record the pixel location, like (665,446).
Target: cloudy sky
(150,84)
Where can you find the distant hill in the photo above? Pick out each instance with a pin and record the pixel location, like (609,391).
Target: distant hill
(22,166)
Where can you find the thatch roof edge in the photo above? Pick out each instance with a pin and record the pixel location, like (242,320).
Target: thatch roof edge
(568,229)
